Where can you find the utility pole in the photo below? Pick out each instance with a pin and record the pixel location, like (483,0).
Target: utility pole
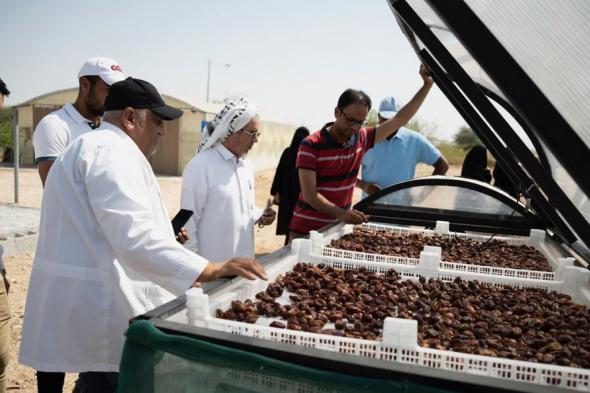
(15,151)
(209,74)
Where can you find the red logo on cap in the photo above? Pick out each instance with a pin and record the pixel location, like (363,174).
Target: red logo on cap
(116,67)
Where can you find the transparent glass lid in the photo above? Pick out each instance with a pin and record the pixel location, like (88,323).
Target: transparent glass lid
(448,197)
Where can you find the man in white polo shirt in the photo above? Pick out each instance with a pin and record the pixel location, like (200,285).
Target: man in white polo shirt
(58,129)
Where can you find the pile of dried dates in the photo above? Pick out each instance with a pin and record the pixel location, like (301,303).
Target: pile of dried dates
(495,253)
(463,316)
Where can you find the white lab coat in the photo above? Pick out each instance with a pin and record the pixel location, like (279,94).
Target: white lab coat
(219,189)
(104,240)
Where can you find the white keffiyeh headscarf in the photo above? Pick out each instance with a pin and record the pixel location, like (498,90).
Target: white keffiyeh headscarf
(233,117)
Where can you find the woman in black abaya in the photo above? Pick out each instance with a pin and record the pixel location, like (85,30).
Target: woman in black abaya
(475,164)
(285,186)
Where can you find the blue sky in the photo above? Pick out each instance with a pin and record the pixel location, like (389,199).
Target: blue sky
(292,58)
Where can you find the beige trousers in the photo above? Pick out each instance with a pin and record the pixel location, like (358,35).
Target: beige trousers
(4,333)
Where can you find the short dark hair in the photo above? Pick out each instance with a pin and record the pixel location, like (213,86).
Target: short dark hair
(352,96)
(3,89)
(92,79)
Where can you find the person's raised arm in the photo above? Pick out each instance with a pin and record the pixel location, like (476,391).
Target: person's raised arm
(408,111)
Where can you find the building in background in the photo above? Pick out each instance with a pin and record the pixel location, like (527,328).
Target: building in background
(174,150)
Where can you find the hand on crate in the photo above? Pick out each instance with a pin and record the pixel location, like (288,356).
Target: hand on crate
(245,267)
(352,216)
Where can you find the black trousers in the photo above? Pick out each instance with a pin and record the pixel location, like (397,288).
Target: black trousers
(97,382)
(88,382)
(50,382)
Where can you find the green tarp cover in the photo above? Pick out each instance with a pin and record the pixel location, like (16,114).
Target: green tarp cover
(157,362)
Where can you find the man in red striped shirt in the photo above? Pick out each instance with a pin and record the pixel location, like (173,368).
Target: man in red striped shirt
(329,160)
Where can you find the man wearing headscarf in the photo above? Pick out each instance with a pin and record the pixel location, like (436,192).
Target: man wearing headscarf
(218,186)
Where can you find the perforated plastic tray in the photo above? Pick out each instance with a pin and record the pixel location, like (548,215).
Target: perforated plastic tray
(321,250)
(399,342)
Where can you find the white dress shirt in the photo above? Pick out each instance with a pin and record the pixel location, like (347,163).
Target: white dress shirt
(106,252)
(219,189)
(57,130)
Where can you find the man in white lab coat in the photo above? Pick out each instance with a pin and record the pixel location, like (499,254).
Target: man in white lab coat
(218,186)
(106,251)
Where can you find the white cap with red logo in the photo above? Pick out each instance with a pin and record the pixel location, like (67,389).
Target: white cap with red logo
(108,69)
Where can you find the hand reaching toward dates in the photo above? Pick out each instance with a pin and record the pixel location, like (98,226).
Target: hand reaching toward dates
(352,216)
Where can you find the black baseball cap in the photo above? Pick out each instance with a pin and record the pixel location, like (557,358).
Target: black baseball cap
(139,94)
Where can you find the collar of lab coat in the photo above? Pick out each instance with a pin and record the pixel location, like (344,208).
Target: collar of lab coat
(74,114)
(226,154)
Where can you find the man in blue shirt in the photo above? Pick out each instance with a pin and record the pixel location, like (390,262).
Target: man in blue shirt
(394,159)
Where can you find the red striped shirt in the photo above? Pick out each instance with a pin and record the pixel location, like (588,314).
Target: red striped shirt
(336,166)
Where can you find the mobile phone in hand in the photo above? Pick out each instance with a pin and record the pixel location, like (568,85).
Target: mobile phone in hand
(180,220)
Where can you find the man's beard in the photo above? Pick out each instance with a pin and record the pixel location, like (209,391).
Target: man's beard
(93,107)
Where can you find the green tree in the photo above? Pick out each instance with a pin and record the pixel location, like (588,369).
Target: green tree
(6,127)
(466,138)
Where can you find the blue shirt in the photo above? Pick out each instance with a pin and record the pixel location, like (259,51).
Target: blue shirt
(394,160)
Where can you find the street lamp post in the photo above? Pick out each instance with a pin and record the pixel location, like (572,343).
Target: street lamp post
(209,74)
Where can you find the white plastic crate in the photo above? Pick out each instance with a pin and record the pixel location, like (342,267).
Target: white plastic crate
(400,335)
(321,250)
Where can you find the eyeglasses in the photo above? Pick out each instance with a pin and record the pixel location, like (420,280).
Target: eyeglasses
(353,122)
(253,133)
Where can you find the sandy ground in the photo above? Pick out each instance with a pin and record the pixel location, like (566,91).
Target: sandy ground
(22,378)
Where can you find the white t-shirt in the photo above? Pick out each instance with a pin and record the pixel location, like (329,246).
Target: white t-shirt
(105,253)
(219,189)
(57,130)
